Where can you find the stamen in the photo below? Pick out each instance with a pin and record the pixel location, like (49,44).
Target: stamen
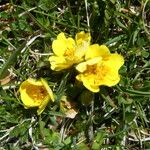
(98,71)
(37,93)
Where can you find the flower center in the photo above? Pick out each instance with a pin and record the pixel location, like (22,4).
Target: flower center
(37,93)
(91,69)
(69,53)
(98,71)
(70,56)
(102,71)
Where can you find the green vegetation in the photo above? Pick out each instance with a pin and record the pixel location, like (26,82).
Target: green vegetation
(117,117)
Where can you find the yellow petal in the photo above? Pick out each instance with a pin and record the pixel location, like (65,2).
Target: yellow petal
(91,87)
(96,51)
(57,60)
(82,43)
(82,37)
(61,36)
(59,47)
(115,61)
(27,101)
(58,63)
(70,43)
(94,61)
(61,44)
(79,77)
(109,73)
(83,66)
(32,81)
(109,80)
(43,105)
(44,82)
(87,83)
(47,98)
(80,51)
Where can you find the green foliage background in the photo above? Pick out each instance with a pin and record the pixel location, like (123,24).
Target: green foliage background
(116,117)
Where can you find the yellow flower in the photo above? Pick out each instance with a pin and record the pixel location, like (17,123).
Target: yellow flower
(35,93)
(101,68)
(68,51)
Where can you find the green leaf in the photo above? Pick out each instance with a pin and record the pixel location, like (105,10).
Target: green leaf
(83,146)
(62,87)
(138,92)
(145,54)
(98,140)
(120,24)
(129,117)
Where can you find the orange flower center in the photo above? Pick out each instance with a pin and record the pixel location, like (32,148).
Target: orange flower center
(70,56)
(102,71)
(91,69)
(98,71)
(69,52)
(37,93)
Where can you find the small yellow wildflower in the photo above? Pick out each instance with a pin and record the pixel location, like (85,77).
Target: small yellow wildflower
(101,68)
(68,51)
(35,93)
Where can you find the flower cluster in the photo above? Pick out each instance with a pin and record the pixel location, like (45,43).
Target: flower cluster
(94,63)
(68,51)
